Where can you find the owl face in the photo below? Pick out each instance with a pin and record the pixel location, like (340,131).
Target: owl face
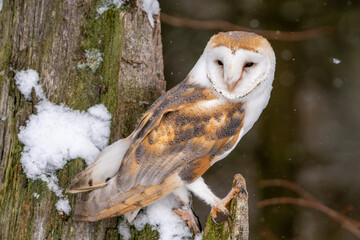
(237,63)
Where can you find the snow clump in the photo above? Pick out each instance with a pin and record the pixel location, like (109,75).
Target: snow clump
(336,61)
(162,218)
(124,230)
(151,7)
(58,134)
(107,4)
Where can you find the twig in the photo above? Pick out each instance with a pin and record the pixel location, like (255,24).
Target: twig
(344,221)
(307,201)
(227,26)
(288,185)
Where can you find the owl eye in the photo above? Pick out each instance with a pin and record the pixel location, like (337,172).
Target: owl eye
(220,63)
(249,64)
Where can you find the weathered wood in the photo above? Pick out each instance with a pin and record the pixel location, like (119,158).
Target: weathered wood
(51,37)
(238,226)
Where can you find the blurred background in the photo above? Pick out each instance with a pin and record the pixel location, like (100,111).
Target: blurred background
(310,132)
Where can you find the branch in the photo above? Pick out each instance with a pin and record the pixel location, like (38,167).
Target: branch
(344,221)
(288,185)
(307,201)
(227,26)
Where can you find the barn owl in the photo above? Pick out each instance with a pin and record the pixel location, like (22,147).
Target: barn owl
(184,132)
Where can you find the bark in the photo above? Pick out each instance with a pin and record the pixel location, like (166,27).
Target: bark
(236,227)
(51,37)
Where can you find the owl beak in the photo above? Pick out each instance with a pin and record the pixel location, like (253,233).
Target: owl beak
(231,86)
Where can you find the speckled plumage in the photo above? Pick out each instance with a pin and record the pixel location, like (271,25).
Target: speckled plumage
(182,134)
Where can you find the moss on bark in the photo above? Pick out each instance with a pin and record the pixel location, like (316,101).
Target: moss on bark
(51,37)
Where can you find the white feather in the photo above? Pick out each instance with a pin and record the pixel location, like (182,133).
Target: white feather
(102,169)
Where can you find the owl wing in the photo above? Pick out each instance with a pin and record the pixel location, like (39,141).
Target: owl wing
(176,142)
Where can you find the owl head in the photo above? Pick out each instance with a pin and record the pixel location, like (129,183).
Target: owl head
(238,63)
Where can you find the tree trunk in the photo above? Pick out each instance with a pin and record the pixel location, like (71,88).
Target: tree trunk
(51,37)
(236,227)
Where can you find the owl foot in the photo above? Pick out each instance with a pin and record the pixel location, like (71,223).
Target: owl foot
(220,206)
(188,215)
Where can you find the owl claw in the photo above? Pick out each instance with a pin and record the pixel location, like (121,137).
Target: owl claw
(187,214)
(213,220)
(220,206)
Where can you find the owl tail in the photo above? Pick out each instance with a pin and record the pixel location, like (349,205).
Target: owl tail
(112,200)
(102,169)
(107,202)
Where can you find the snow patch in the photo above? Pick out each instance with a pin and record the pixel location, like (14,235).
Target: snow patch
(36,195)
(107,4)
(1,4)
(199,236)
(26,81)
(151,7)
(58,134)
(162,218)
(124,230)
(63,206)
(336,61)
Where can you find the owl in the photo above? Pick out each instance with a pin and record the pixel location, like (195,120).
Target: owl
(183,133)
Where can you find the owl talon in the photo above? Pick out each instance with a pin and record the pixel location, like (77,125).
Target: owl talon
(187,214)
(213,220)
(220,206)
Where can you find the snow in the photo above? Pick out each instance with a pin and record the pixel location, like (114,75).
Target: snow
(58,134)
(162,218)
(1,4)
(107,4)
(63,206)
(151,7)
(199,236)
(124,230)
(3,71)
(36,195)
(336,61)
(26,80)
